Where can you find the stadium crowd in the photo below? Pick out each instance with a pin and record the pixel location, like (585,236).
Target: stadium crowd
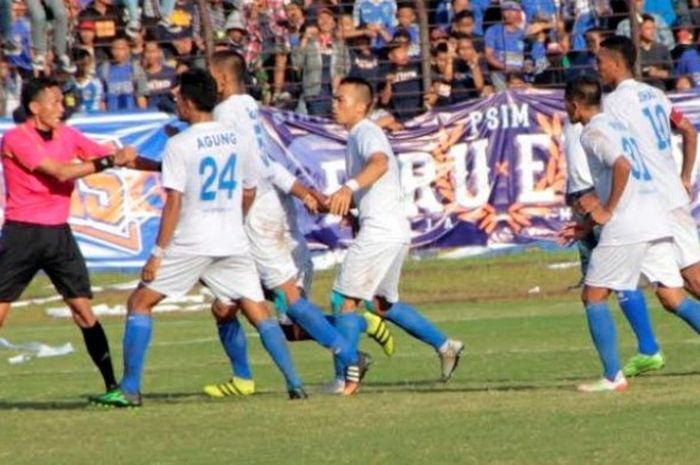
(126,54)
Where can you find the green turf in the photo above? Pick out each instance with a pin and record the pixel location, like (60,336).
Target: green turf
(511,402)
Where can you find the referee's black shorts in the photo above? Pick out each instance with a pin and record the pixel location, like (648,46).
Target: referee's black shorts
(27,248)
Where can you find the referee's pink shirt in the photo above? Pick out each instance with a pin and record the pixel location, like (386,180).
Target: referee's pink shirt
(33,197)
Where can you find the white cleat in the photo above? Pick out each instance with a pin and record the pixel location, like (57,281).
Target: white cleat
(335,387)
(619,384)
(449,357)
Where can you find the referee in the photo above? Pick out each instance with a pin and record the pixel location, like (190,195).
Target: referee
(38,160)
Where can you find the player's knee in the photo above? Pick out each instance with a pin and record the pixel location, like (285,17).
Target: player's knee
(379,305)
(692,281)
(223,312)
(342,304)
(670,299)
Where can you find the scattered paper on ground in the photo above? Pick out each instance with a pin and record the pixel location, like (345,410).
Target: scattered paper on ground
(562,265)
(30,350)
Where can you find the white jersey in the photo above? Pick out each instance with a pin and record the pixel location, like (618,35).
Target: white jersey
(578,174)
(647,113)
(382,216)
(241,112)
(640,215)
(210,165)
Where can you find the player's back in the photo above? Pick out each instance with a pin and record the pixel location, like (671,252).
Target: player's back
(647,113)
(382,213)
(640,215)
(211,165)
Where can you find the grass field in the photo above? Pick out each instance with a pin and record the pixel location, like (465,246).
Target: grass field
(511,402)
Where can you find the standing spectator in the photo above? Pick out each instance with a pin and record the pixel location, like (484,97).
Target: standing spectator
(161,78)
(125,81)
(584,62)
(465,24)
(166,8)
(10,89)
(654,57)
(505,45)
(403,90)
(21,37)
(322,62)
(662,8)
(440,94)
(448,10)
(296,19)
(539,9)
(365,63)
(377,15)
(586,14)
(10,46)
(89,86)
(539,35)
(553,74)
(406,21)
(107,20)
(59,15)
(236,33)
(663,31)
(468,76)
(688,64)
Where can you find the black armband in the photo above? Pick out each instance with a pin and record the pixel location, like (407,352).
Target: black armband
(103,163)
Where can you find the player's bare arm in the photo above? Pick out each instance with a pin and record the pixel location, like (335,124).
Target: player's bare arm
(168,222)
(620,175)
(70,171)
(339,202)
(248,199)
(690,142)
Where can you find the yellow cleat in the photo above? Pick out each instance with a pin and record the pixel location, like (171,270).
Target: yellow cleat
(378,330)
(234,387)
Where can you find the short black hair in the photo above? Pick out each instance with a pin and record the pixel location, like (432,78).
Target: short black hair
(232,63)
(32,89)
(364,86)
(197,86)
(596,30)
(584,89)
(463,14)
(647,17)
(624,47)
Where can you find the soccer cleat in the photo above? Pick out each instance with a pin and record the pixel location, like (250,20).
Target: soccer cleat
(449,358)
(334,387)
(116,398)
(12,48)
(234,387)
(641,363)
(605,385)
(378,330)
(169,26)
(66,65)
(355,374)
(298,394)
(38,63)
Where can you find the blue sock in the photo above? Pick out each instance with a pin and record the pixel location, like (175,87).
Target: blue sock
(689,310)
(415,324)
(350,326)
(634,306)
(275,344)
(137,336)
(233,339)
(602,328)
(312,320)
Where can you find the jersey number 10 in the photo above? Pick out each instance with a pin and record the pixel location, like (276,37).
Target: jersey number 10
(225,177)
(659,122)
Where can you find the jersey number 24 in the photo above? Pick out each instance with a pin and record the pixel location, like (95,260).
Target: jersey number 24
(216,178)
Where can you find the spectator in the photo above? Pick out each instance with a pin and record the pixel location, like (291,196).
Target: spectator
(183,49)
(684,83)
(11,89)
(437,37)
(688,64)
(11,47)
(296,19)
(365,63)
(448,10)
(505,44)
(161,78)
(584,62)
(440,94)
(464,24)
(322,61)
(124,80)
(406,19)
(89,86)
(137,44)
(166,10)
(236,33)
(553,74)
(108,22)
(655,58)
(662,8)
(539,9)
(403,89)
(540,32)
(38,17)
(663,31)
(586,15)
(468,77)
(694,12)
(384,119)
(379,16)
(684,41)
(21,37)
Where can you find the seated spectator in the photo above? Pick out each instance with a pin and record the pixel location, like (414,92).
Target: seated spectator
(438,36)
(448,10)
(584,62)
(403,90)
(18,50)
(468,76)
(137,43)
(688,64)
(10,45)
(663,31)
(662,8)
(694,7)
(684,83)
(539,9)
(655,58)
(322,62)
(440,94)
(586,15)
(516,81)
(539,35)
(107,20)
(365,63)
(505,44)
(39,21)
(236,33)
(464,24)
(160,77)
(126,87)
(296,18)
(90,88)
(684,41)
(379,16)
(183,49)
(10,90)
(553,74)
(166,9)
(406,21)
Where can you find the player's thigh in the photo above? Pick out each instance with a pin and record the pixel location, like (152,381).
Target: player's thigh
(616,267)
(389,286)
(365,267)
(685,237)
(302,259)
(65,266)
(178,273)
(659,266)
(20,259)
(233,278)
(272,251)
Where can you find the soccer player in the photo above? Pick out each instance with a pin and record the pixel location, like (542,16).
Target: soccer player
(579,182)
(372,266)
(38,163)
(650,115)
(635,237)
(210,173)
(277,244)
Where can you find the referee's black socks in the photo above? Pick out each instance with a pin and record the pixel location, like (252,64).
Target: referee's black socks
(98,348)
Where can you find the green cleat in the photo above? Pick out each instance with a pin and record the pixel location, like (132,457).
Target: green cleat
(641,363)
(234,387)
(378,330)
(116,399)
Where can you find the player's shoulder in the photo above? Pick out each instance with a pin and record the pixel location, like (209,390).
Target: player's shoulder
(367,128)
